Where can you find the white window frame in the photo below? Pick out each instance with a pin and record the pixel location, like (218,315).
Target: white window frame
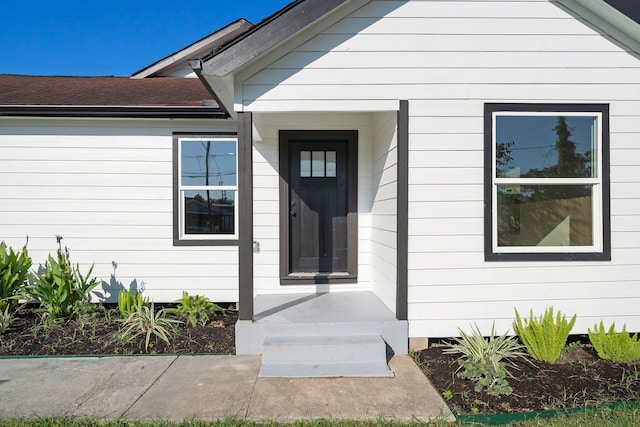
(600,249)
(181,189)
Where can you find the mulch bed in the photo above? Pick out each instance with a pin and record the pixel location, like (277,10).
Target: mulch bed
(97,333)
(579,378)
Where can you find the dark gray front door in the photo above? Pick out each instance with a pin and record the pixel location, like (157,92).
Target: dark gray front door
(318,206)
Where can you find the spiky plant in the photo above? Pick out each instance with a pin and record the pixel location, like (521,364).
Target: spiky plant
(148,322)
(546,336)
(620,347)
(484,360)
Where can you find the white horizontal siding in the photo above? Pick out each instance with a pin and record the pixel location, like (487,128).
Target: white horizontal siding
(449,58)
(106,188)
(383,209)
(266,205)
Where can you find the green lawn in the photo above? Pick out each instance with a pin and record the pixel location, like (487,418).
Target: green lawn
(622,417)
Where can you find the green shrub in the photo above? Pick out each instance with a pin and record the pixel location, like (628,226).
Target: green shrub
(619,347)
(196,309)
(148,322)
(60,285)
(483,361)
(130,301)
(544,337)
(14,273)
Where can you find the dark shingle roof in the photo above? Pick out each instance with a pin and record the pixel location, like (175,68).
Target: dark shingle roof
(101,91)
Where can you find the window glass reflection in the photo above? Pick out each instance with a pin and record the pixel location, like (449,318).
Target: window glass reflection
(208,162)
(209,212)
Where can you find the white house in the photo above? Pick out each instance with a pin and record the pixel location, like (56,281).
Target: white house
(454,160)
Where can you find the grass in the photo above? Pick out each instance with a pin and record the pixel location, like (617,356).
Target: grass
(620,417)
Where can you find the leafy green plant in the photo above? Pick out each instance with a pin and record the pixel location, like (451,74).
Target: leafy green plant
(196,309)
(7,316)
(544,337)
(129,301)
(620,347)
(14,273)
(148,322)
(484,361)
(60,285)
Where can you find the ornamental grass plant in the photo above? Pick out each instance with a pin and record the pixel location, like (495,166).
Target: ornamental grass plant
(544,337)
(620,347)
(484,361)
(150,323)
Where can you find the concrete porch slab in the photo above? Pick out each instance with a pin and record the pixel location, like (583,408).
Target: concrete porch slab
(334,313)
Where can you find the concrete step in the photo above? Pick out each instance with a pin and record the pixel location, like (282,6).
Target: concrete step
(250,336)
(324,356)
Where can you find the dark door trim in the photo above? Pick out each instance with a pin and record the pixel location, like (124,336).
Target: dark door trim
(351,137)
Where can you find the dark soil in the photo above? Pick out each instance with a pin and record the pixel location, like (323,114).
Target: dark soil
(579,378)
(98,332)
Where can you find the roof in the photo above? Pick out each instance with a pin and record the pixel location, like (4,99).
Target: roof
(58,90)
(628,7)
(97,96)
(271,31)
(198,49)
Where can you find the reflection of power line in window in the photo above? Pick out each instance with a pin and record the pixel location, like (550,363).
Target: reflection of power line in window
(204,173)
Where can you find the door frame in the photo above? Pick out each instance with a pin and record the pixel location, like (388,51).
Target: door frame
(351,138)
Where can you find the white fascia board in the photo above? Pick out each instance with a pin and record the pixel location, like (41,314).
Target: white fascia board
(223,88)
(610,20)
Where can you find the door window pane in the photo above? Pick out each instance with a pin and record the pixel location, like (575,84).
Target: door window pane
(317,163)
(305,164)
(331,164)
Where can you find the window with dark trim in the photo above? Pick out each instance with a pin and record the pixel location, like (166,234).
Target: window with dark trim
(205,189)
(546,182)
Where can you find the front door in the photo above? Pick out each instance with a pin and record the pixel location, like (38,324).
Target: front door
(320,203)
(318,207)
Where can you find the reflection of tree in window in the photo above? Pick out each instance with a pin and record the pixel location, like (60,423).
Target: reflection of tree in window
(570,164)
(546,204)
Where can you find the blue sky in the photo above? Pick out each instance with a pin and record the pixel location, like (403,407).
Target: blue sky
(119,37)
(110,38)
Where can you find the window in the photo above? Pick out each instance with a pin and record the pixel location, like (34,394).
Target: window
(546,182)
(206,187)
(318,164)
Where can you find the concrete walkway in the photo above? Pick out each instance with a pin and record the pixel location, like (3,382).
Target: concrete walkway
(205,388)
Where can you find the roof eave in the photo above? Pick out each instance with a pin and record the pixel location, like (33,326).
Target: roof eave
(618,25)
(218,94)
(266,35)
(196,49)
(90,111)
